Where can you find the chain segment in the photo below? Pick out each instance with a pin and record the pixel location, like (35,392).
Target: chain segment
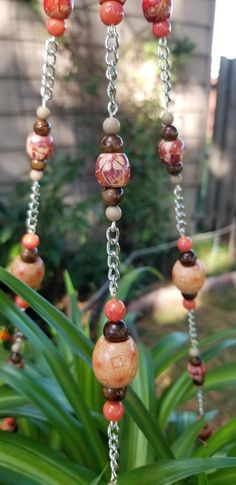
(33,210)
(180,212)
(193,334)
(112,46)
(113,260)
(113,443)
(48,77)
(164,63)
(200,399)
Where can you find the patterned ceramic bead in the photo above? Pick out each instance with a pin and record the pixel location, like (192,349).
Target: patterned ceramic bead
(112,170)
(39,147)
(31,274)
(171,152)
(197,373)
(115,364)
(189,280)
(157,10)
(58,9)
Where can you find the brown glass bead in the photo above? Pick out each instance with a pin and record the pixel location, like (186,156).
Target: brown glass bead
(114,394)
(206,433)
(15,358)
(170,133)
(189,258)
(42,127)
(116,332)
(29,256)
(189,297)
(112,196)
(196,361)
(38,164)
(112,144)
(174,169)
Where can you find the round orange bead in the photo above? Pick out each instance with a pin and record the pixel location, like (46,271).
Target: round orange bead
(21,303)
(161,29)
(115,310)
(189,304)
(113,410)
(111,12)
(56,27)
(30,241)
(184,244)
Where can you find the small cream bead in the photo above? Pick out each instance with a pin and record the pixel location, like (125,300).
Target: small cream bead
(17,347)
(167,118)
(113,213)
(43,112)
(194,352)
(176,179)
(36,175)
(111,126)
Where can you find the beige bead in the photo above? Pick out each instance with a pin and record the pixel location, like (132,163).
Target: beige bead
(43,112)
(31,274)
(115,364)
(111,126)
(17,347)
(36,175)
(167,118)
(194,352)
(113,213)
(189,280)
(176,179)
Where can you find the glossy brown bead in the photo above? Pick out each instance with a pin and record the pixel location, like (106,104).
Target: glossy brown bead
(15,358)
(188,259)
(112,144)
(112,196)
(38,164)
(205,433)
(114,394)
(189,297)
(196,361)
(170,133)
(42,127)
(28,256)
(174,169)
(116,332)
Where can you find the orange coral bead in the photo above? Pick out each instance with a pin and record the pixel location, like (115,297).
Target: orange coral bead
(113,411)
(4,335)
(115,364)
(189,280)
(21,303)
(189,304)
(31,274)
(56,27)
(30,241)
(111,13)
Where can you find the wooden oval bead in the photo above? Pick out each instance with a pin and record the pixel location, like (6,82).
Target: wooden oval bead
(157,10)
(58,9)
(114,394)
(175,169)
(112,170)
(170,133)
(112,144)
(113,411)
(188,258)
(115,364)
(116,332)
(189,280)
(42,127)
(31,274)
(111,126)
(171,152)
(112,197)
(111,12)
(38,165)
(39,147)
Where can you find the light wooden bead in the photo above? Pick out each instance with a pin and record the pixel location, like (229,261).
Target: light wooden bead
(113,214)
(17,347)
(31,274)
(36,175)
(167,118)
(111,126)
(189,280)
(115,364)
(176,179)
(43,112)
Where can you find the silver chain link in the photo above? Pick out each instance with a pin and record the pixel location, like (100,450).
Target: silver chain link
(113,260)
(48,77)
(180,213)
(163,53)
(112,46)
(33,209)
(193,334)
(113,443)
(200,399)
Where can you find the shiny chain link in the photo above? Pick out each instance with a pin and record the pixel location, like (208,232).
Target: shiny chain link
(113,443)
(33,208)
(163,53)
(112,46)
(200,399)
(193,334)
(48,77)
(113,260)
(180,213)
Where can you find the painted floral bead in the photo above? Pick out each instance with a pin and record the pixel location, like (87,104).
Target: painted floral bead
(56,27)
(113,411)
(189,280)
(31,274)
(112,170)
(157,10)
(197,373)
(39,147)
(171,152)
(115,310)
(111,12)
(115,364)
(161,29)
(58,9)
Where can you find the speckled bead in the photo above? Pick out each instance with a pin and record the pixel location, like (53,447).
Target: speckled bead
(115,364)
(58,9)
(114,394)
(43,112)
(113,213)
(189,280)
(157,10)
(171,152)
(112,170)
(39,147)
(31,274)
(167,118)
(111,126)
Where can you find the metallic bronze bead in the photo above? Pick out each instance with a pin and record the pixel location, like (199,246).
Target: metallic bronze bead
(116,332)
(112,144)
(29,256)
(112,196)
(170,133)
(114,394)
(174,169)
(189,258)
(42,127)
(38,164)
(189,297)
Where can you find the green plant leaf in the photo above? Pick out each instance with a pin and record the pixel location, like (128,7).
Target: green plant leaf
(166,349)
(183,446)
(219,440)
(73,296)
(223,477)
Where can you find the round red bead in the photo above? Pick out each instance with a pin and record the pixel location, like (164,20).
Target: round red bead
(111,13)
(21,303)
(58,9)
(189,304)
(56,27)
(30,241)
(184,244)
(161,29)
(112,170)
(113,410)
(115,310)
(171,152)
(157,10)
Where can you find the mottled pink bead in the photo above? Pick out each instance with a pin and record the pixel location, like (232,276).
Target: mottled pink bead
(171,152)
(112,170)
(58,9)
(39,147)
(156,10)
(197,373)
